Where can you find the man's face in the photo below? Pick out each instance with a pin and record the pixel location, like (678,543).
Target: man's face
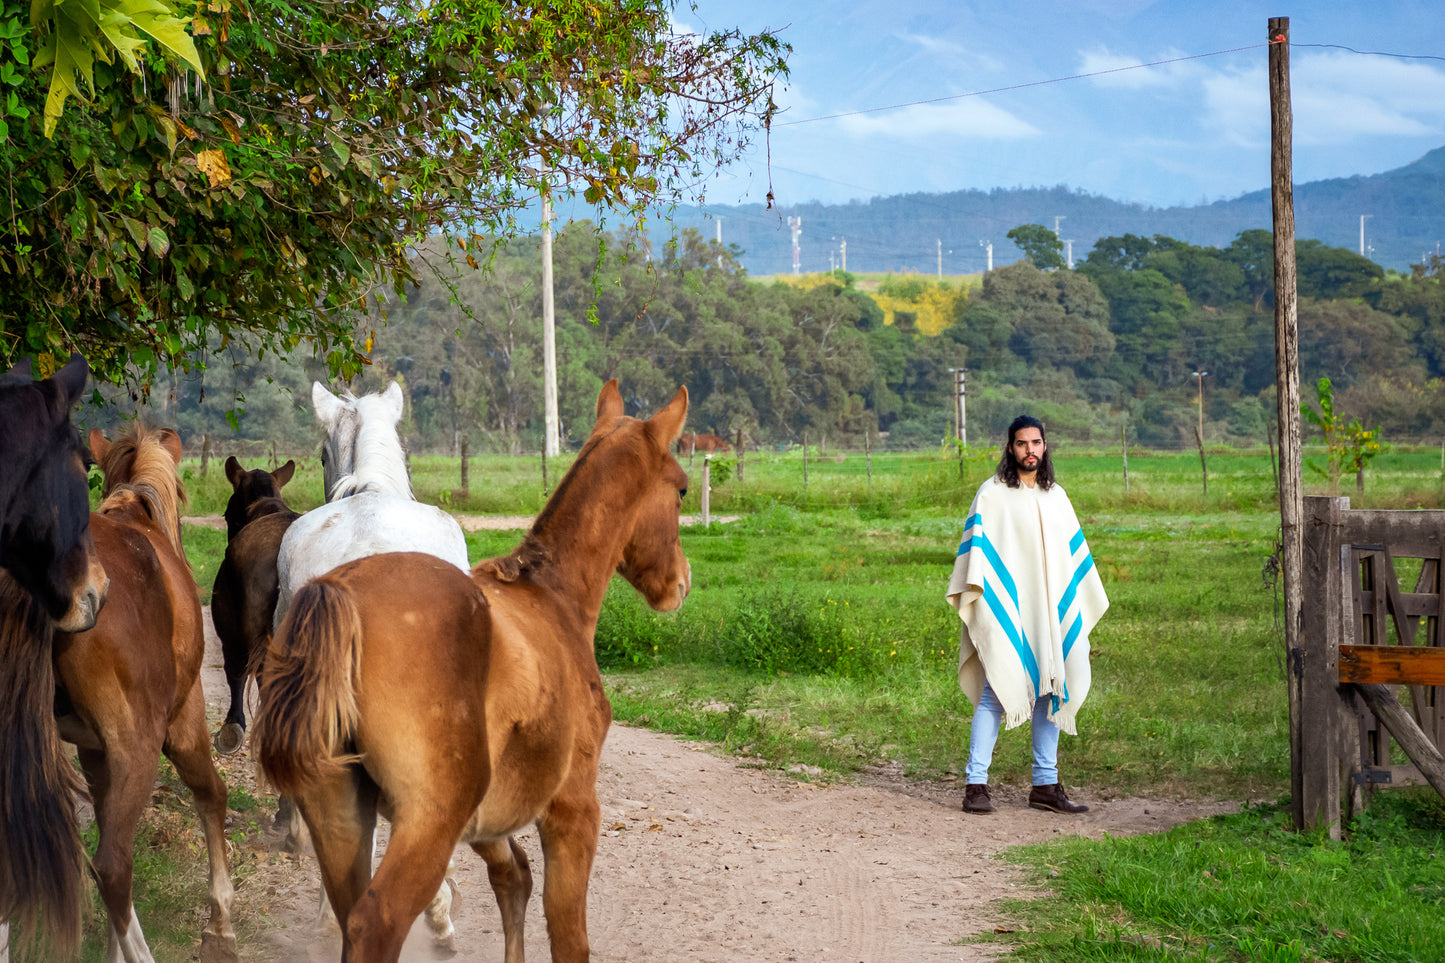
(1028,449)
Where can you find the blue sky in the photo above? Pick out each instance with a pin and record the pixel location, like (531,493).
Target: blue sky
(1186,132)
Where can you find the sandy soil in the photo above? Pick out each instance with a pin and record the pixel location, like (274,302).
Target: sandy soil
(704,858)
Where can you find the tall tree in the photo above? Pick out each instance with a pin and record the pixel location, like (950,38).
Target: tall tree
(1039,244)
(269,201)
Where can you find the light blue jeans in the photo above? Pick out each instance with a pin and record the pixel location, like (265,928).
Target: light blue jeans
(988,717)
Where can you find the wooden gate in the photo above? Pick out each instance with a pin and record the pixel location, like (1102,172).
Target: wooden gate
(1362,636)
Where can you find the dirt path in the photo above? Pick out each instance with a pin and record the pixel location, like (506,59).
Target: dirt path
(705,860)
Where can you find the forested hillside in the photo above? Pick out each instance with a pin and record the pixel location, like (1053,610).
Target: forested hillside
(1113,344)
(1405,208)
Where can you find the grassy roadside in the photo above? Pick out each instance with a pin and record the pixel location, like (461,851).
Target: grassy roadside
(817,634)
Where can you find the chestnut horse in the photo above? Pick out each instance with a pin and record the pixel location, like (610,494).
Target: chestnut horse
(464,708)
(370,510)
(129,688)
(243,597)
(50,578)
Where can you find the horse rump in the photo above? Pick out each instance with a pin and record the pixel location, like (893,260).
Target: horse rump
(308,713)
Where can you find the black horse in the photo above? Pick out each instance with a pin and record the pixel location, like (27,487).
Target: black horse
(50,578)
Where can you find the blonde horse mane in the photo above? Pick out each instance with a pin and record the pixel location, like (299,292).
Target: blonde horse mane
(139,463)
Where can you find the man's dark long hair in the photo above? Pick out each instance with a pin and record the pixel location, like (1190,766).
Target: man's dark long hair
(1008,466)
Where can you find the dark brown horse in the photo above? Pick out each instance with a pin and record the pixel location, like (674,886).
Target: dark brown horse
(129,688)
(688,443)
(50,577)
(243,597)
(463,708)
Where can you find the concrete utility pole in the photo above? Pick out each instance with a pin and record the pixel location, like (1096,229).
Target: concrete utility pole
(1069,253)
(795,226)
(551,443)
(1363,218)
(843,254)
(988,249)
(1057,219)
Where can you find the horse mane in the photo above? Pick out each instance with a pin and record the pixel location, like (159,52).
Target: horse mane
(138,466)
(523,560)
(379,462)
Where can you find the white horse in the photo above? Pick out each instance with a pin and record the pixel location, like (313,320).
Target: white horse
(370,509)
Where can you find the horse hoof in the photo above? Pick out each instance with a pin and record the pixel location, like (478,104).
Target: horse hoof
(228,738)
(218,949)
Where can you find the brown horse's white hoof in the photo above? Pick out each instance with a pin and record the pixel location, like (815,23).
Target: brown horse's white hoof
(218,949)
(229,738)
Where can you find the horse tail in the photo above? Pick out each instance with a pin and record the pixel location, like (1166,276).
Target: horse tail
(41,859)
(308,713)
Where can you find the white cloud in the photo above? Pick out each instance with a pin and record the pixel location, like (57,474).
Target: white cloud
(1126,72)
(971,118)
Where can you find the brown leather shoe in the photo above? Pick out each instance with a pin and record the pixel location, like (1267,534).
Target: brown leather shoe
(975,799)
(1054,799)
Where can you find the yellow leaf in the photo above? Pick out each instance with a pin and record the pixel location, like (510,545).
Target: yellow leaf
(212,163)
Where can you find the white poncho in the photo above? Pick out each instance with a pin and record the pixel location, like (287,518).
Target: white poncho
(1028,593)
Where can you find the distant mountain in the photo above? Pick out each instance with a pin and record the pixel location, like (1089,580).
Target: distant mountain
(1406,209)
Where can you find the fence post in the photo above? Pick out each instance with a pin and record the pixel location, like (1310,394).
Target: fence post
(1124,448)
(1313,671)
(805,459)
(739,449)
(466,486)
(868,456)
(707,489)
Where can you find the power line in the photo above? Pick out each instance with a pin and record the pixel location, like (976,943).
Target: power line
(1034,83)
(1098,73)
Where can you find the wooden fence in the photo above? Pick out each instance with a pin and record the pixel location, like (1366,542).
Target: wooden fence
(1362,636)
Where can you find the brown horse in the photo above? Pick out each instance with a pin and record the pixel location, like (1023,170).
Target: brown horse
(463,708)
(130,688)
(243,597)
(50,577)
(689,443)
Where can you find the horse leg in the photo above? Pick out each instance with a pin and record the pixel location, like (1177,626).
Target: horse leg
(190,752)
(120,787)
(340,813)
(511,877)
(439,914)
(569,829)
(288,819)
(412,870)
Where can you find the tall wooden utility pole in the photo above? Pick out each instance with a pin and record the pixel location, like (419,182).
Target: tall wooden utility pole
(1308,790)
(551,443)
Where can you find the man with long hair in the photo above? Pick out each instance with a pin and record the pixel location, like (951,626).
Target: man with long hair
(1028,594)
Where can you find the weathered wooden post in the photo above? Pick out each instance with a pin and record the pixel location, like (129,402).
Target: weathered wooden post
(1313,671)
(707,489)
(868,457)
(739,449)
(805,459)
(1124,450)
(1286,368)
(466,485)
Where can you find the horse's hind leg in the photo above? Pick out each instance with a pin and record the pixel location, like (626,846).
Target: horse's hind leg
(120,787)
(340,813)
(410,874)
(190,752)
(511,877)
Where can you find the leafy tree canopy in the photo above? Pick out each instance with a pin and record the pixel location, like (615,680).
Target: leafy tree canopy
(1039,244)
(263,205)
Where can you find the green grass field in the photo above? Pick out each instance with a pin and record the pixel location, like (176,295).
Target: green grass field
(817,633)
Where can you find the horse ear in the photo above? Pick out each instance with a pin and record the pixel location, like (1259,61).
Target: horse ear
(397,401)
(283,474)
(171,442)
(71,378)
(667,423)
(234,471)
(609,401)
(99,446)
(327,405)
